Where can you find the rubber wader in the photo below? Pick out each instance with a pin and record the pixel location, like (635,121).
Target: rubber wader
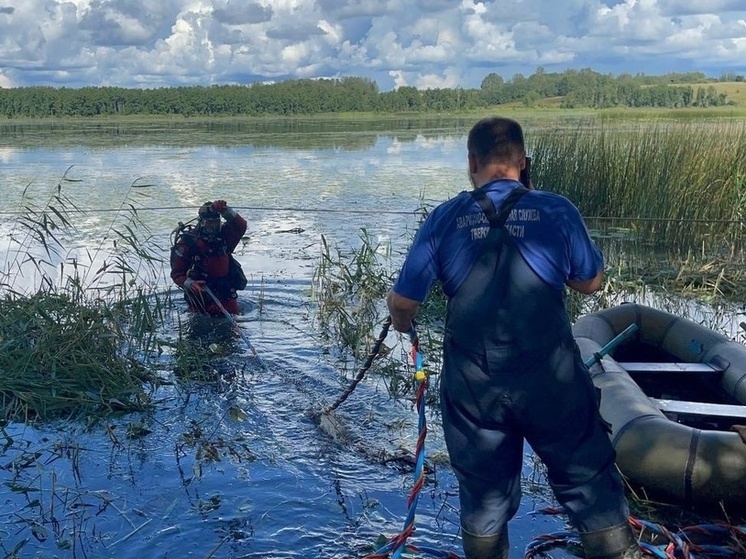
(616,542)
(486,547)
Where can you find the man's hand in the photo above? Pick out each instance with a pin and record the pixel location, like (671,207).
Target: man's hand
(196,287)
(402,311)
(219,206)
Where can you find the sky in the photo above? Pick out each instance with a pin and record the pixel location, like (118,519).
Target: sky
(419,43)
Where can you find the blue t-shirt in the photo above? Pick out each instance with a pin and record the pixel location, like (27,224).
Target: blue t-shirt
(548,230)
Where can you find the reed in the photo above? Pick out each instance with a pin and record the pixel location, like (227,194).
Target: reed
(349,289)
(77,324)
(674,184)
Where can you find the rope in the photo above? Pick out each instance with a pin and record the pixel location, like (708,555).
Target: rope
(381,212)
(698,541)
(252,208)
(364,369)
(397,544)
(232,320)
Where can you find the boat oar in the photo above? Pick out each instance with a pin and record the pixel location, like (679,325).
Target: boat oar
(231,318)
(611,346)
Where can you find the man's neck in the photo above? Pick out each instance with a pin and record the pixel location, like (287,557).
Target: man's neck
(493,172)
(493,178)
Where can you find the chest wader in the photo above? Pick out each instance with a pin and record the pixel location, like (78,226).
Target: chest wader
(510,364)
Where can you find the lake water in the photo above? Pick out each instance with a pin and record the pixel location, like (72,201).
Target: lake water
(237,468)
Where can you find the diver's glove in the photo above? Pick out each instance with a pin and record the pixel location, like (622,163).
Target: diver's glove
(222,207)
(196,287)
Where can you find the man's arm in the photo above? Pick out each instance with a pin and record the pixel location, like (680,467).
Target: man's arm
(235,225)
(233,229)
(402,311)
(587,286)
(585,256)
(180,262)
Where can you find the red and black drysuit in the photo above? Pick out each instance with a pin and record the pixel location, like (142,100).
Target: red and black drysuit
(200,257)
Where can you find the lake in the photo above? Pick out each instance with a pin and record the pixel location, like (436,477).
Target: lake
(235,467)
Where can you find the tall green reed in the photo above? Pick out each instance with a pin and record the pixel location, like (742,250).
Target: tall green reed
(77,322)
(675,184)
(349,289)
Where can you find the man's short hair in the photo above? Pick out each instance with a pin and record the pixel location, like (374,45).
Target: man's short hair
(496,139)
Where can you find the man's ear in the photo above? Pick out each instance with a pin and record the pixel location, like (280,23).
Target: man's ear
(473,165)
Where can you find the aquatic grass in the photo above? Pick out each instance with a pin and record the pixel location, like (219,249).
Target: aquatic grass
(349,289)
(77,324)
(53,509)
(59,357)
(678,184)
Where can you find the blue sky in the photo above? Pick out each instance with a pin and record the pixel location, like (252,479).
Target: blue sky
(420,43)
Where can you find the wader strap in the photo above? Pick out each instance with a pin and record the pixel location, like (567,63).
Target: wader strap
(488,207)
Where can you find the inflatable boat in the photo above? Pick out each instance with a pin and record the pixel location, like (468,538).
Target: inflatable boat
(673,392)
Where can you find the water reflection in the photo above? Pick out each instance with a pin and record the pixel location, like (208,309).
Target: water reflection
(323,134)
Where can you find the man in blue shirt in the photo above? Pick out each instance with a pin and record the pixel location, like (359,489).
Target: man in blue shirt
(511,370)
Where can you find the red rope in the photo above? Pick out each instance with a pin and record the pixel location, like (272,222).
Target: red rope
(397,544)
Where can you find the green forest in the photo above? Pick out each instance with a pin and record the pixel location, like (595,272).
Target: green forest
(570,89)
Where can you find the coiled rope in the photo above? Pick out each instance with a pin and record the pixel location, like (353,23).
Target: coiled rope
(702,541)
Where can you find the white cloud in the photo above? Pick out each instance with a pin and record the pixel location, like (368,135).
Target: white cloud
(427,43)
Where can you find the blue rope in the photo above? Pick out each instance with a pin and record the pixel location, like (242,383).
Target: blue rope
(398,544)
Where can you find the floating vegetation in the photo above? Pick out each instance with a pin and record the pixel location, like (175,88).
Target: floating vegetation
(61,357)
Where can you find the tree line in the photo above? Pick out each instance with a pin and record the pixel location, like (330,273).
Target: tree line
(574,89)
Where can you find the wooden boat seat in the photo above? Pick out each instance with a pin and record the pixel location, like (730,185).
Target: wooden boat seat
(680,406)
(700,408)
(679,367)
